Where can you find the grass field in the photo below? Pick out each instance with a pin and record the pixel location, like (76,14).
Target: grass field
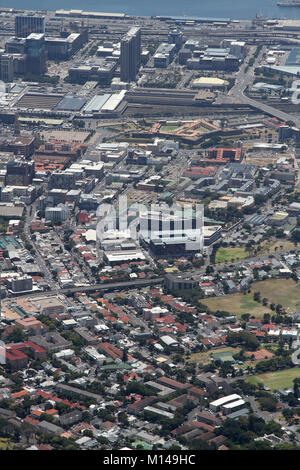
(279,291)
(204,357)
(276,380)
(224,255)
(236,304)
(169,128)
(279,245)
(5,444)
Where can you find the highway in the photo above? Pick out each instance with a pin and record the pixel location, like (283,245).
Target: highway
(281,115)
(244,78)
(99,287)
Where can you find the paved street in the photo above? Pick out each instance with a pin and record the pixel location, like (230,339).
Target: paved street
(243,78)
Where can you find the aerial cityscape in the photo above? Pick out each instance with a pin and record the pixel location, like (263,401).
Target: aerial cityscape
(149,230)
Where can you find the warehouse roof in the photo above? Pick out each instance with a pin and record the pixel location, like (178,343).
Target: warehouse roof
(224,400)
(96,103)
(71,103)
(11,211)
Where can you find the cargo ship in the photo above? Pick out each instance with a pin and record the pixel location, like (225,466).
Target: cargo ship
(290,3)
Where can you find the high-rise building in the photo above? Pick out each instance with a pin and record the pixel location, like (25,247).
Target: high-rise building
(35,51)
(19,173)
(17,125)
(130,54)
(6,67)
(27,24)
(175,36)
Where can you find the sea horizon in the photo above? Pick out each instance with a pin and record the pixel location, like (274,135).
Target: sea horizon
(244,10)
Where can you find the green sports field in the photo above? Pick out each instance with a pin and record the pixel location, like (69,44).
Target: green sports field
(278,291)
(225,255)
(276,380)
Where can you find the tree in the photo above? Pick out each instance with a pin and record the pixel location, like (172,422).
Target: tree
(256,296)
(245,316)
(16,336)
(296,387)
(272,427)
(123,418)
(125,355)
(288,414)
(296,235)
(267,403)
(279,308)
(209,269)
(246,338)
(259,199)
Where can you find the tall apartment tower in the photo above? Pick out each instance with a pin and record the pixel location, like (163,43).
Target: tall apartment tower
(35,54)
(27,24)
(6,67)
(17,130)
(130,54)
(175,36)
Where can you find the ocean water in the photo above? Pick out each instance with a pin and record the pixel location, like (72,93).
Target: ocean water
(235,9)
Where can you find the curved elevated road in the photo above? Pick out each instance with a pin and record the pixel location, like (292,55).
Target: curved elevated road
(98,287)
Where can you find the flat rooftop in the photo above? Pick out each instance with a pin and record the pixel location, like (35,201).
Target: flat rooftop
(71,103)
(38,101)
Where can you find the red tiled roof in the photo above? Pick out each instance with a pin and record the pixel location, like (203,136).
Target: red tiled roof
(201,425)
(269,326)
(125,319)
(52,411)
(33,422)
(180,327)
(261,334)
(20,394)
